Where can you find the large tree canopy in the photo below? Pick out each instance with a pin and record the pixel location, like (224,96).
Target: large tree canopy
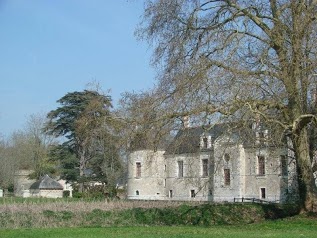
(84,119)
(232,58)
(74,107)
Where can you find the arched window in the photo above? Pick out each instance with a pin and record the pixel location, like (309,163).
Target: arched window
(137,192)
(227,157)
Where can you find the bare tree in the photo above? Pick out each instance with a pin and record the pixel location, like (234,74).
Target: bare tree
(40,143)
(229,59)
(26,149)
(7,165)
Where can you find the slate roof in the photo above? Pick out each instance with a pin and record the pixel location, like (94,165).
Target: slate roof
(46,183)
(142,142)
(187,140)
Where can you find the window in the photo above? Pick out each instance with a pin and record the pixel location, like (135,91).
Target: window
(284,165)
(226,177)
(170,194)
(227,157)
(192,193)
(138,169)
(164,183)
(261,165)
(137,192)
(263,136)
(205,167)
(205,142)
(180,169)
(262,191)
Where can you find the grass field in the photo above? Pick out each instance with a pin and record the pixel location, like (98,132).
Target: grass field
(287,228)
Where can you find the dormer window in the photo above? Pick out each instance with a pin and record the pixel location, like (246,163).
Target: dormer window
(205,141)
(262,136)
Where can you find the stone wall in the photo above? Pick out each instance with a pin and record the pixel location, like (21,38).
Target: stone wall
(273,182)
(192,185)
(22,182)
(46,193)
(228,157)
(150,183)
(161,178)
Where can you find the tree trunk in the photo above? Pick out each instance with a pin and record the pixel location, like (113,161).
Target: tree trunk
(82,167)
(306,181)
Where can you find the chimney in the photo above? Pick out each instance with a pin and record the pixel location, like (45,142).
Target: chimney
(186,122)
(256,122)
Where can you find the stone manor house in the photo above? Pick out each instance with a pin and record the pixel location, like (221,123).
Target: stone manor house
(213,163)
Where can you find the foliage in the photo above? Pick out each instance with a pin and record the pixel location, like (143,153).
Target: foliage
(69,166)
(26,149)
(66,193)
(94,213)
(73,106)
(85,120)
(61,215)
(11,188)
(209,214)
(77,194)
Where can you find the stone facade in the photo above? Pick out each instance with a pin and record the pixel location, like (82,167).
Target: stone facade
(22,183)
(146,175)
(46,193)
(211,165)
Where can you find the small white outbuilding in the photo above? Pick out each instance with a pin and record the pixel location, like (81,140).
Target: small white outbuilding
(46,187)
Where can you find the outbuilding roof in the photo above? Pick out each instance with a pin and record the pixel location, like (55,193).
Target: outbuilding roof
(46,183)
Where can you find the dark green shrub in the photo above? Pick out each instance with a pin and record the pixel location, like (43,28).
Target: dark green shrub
(49,213)
(62,215)
(97,218)
(77,195)
(66,193)
(65,215)
(11,188)
(93,195)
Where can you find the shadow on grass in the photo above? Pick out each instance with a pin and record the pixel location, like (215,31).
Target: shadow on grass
(211,214)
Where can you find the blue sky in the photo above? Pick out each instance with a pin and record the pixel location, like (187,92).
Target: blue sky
(49,48)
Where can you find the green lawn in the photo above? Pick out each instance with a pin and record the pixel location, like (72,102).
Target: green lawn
(289,228)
